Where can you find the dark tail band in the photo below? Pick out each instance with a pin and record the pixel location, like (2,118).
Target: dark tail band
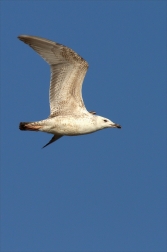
(29,126)
(22,126)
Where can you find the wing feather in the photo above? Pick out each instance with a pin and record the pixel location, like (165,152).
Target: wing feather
(68,70)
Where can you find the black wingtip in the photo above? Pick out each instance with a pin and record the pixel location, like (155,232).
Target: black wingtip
(45,145)
(54,138)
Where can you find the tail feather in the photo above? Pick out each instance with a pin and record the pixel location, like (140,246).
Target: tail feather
(22,125)
(29,126)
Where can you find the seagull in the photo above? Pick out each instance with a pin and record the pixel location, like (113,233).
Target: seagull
(68,114)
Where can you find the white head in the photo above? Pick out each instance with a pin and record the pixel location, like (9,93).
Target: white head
(103,123)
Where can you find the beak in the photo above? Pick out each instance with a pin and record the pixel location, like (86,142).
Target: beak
(115,125)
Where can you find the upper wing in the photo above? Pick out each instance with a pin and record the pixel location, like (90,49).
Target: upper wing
(68,70)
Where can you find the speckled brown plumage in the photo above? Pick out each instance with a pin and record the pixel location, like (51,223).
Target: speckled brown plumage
(68,70)
(68,115)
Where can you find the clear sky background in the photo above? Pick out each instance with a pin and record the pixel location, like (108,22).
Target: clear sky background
(100,192)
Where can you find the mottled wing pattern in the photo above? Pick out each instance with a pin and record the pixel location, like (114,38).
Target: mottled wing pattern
(68,70)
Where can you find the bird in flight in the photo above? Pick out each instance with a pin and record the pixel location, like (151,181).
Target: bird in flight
(68,114)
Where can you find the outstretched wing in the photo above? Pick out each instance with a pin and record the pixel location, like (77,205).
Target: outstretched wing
(68,70)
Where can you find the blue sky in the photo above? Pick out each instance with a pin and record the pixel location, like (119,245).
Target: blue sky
(100,192)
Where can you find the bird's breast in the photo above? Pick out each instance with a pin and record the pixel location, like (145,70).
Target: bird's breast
(70,126)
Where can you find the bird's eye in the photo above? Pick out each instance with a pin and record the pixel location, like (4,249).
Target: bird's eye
(105,120)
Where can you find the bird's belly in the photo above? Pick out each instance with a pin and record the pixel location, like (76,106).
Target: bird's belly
(70,126)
